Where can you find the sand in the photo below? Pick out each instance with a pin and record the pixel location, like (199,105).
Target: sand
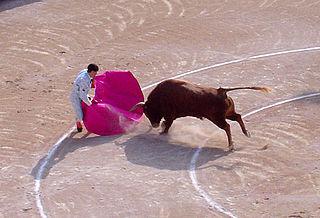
(275,173)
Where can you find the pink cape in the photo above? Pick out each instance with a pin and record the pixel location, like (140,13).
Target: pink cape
(116,92)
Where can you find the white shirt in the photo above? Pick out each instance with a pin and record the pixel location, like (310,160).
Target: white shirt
(82,86)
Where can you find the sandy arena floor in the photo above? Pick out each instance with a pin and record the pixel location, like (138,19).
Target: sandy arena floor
(189,172)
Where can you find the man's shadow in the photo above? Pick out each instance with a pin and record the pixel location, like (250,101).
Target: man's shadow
(158,152)
(69,145)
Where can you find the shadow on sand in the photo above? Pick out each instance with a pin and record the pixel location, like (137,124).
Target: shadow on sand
(10,4)
(145,149)
(158,152)
(70,145)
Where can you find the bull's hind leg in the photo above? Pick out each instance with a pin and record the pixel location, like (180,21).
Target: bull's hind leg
(232,115)
(237,117)
(222,123)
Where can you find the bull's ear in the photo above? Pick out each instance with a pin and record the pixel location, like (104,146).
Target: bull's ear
(140,104)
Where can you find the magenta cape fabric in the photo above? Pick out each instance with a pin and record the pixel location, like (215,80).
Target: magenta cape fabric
(116,92)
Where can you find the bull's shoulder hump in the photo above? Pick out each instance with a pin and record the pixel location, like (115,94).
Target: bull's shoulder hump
(171,83)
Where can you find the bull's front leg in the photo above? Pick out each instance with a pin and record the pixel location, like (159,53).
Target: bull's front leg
(166,124)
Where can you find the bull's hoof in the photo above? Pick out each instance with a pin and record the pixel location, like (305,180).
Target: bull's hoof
(163,132)
(163,125)
(248,134)
(232,149)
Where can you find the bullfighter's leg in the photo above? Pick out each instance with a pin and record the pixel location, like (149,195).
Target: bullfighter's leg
(76,104)
(166,124)
(237,117)
(222,123)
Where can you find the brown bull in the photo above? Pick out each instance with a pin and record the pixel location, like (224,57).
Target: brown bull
(172,99)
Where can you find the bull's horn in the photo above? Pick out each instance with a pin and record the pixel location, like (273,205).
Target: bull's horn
(140,104)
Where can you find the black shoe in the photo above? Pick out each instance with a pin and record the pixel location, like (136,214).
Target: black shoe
(79,126)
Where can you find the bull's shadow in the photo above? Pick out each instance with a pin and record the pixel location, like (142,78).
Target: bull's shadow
(145,149)
(158,152)
(69,145)
(10,4)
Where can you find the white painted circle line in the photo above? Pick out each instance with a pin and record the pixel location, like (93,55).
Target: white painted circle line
(41,169)
(281,102)
(193,176)
(193,162)
(237,61)
(51,152)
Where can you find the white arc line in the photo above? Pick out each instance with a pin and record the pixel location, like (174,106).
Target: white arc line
(193,162)
(282,102)
(41,171)
(236,61)
(51,152)
(193,176)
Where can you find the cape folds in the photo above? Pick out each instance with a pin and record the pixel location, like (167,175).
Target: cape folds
(116,92)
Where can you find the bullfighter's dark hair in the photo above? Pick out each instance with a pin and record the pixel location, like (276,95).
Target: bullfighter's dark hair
(93,67)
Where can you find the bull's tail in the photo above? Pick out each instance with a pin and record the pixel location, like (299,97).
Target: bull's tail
(262,89)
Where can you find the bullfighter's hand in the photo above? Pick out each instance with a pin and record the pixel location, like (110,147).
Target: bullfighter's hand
(94,101)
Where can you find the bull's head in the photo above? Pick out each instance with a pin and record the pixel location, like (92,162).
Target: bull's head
(151,112)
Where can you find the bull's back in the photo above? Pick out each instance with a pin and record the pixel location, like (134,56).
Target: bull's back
(185,99)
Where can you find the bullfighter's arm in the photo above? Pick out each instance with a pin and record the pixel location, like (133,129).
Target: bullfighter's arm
(84,90)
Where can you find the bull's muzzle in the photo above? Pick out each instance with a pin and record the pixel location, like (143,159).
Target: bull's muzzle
(155,125)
